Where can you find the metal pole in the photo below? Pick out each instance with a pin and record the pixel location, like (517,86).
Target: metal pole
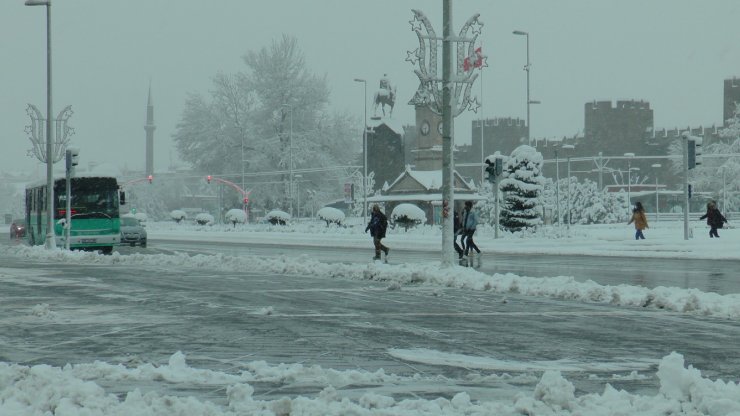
(568,213)
(290,194)
(482,154)
(364,162)
(601,171)
(684,151)
(448,193)
(629,184)
(50,240)
(557,186)
(657,215)
(68,208)
(529,127)
(495,193)
(364,155)
(724,191)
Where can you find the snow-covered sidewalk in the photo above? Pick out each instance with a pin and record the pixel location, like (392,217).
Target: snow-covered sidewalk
(663,240)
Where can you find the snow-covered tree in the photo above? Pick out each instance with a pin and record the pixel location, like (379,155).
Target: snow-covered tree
(236,216)
(522,186)
(331,215)
(588,203)
(272,107)
(277,217)
(178,215)
(407,216)
(205,218)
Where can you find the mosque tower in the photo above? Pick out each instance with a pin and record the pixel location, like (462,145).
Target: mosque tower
(149,127)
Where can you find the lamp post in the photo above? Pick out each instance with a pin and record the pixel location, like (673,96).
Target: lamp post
(557,186)
(290,159)
(629,178)
(568,147)
(527,68)
(298,194)
(657,215)
(50,241)
(364,154)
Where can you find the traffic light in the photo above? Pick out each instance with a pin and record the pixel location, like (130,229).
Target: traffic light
(491,170)
(208,178)
(246,200)
(495,167)
(72,157)
(149,178)
(694,151)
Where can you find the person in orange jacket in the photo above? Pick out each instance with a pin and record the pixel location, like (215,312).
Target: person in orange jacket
(640,220)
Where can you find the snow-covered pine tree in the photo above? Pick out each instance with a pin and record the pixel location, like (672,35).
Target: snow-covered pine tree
(522,185)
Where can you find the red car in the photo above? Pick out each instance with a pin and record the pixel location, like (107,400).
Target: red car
(18,229)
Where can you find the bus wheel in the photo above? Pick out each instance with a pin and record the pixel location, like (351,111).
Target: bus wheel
(106,250)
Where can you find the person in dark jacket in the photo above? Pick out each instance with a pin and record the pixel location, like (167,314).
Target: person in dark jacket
(377,226)
(640,220)
(715,219)
(469,224)
(457,224)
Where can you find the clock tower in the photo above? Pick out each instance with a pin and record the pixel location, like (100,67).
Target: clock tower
(429,139)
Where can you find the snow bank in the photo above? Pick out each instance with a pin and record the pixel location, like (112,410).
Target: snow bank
(692,301)
(76,390)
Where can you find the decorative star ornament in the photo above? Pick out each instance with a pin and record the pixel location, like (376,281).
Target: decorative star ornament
(412,56)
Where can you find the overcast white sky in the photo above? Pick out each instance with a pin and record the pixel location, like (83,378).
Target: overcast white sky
(673,53)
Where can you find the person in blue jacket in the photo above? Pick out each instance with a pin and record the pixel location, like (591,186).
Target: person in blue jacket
(469,223)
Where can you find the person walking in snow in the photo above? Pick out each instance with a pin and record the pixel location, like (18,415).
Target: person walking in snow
(469,223)
(715,219)
(640,220)
(457,228)
(377,226)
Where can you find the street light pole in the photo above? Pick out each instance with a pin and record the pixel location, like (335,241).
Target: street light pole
(526,68)
(657,215)
(364,156)
(50,241)
(568,214)
(290,159)
(557,186)
(629,178)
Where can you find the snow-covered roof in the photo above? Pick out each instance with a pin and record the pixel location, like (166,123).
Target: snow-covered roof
(429,179)
(423,197)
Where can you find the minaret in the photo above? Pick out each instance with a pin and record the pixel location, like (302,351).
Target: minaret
(149,127)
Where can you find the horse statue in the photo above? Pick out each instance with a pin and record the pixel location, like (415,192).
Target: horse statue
(385,96)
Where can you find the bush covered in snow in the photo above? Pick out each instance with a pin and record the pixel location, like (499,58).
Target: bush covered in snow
(236,216)
(522,185)
(277,217)
(331,215)
(407,216)
(178,215)
(588,203)
(204,218)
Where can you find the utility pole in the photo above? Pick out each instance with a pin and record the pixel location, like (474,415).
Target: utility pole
(448,192)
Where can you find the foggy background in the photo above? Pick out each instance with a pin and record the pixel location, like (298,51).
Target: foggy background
(674,54)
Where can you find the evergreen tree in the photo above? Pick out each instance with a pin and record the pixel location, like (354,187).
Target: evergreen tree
(522,185)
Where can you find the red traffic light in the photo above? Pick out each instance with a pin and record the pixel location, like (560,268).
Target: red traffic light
(246,200)
(149,178)
(208,178)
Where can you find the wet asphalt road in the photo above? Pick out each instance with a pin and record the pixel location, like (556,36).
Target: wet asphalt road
(130,315)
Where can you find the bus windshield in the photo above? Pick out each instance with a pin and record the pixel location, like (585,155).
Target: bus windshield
(91,198)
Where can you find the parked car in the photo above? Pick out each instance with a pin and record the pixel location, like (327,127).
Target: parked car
(18,229)
(132,231)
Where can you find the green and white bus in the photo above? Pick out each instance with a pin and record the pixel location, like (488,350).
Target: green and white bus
(95,216)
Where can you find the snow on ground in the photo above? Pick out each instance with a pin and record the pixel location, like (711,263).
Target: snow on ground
(72,389)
